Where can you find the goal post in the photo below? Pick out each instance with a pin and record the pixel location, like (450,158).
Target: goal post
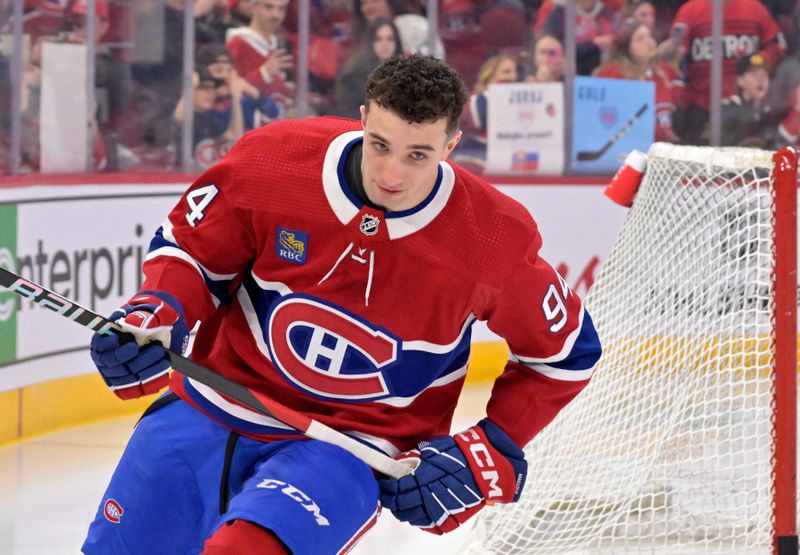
(685,440)
(786,297)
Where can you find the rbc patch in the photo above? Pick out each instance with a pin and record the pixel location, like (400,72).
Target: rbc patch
(291,245)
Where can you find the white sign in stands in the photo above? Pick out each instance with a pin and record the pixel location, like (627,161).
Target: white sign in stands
(525,132)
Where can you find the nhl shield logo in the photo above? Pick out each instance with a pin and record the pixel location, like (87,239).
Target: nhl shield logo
(369,224)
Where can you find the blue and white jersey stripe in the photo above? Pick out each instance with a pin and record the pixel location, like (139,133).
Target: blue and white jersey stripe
(577,359)
(165,244)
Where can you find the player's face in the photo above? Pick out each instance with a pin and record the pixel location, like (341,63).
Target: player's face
(401,159)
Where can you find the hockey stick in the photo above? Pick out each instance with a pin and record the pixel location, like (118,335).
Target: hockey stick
(256,401)
(588,155)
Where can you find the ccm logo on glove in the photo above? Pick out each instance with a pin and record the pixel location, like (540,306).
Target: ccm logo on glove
(482,458)
(494,473)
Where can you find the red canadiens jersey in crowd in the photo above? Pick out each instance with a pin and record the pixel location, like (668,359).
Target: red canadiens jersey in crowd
(747,28)
(359,318)
(249,50)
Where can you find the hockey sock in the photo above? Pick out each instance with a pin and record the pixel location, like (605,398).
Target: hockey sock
(241,537)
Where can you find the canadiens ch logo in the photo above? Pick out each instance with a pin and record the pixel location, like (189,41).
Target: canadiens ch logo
(329,353)
(291,245)
(113,511)
(369,224)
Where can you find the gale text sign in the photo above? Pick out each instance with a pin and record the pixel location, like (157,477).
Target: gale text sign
(611,118)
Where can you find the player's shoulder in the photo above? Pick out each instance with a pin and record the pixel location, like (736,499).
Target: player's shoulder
(288,144)
(302,131)
(490,211)
(485,232)
(285,155)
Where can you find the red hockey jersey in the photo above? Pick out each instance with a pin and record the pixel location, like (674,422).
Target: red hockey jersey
(747,28)
(359,318)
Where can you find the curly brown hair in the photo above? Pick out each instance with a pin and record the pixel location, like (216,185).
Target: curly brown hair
(418,89)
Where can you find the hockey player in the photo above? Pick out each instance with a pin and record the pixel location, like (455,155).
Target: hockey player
(336,266)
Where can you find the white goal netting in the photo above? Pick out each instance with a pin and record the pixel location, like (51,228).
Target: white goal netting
(669,448)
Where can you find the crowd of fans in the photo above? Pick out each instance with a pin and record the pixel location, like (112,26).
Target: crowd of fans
(245,65)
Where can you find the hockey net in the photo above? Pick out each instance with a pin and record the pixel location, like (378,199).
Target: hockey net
(672,446)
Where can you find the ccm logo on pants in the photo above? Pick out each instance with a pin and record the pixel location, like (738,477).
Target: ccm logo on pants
(294,493)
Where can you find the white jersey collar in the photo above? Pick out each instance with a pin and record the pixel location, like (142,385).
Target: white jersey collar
(346,205)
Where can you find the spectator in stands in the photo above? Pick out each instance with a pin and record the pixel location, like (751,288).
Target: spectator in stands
(748,28)
(211,136)
(412,27)
(635,58)
(595,25)
(261,54)
(545,9)
(41,18)
(786,79)
(547,55)
(257,108)
(216,59)
(365,11)
(471,151)
(381,41)
(748,119)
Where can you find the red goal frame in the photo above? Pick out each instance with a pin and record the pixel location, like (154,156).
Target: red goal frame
(785,366)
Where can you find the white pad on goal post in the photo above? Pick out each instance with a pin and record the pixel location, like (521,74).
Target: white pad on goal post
(673,446)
